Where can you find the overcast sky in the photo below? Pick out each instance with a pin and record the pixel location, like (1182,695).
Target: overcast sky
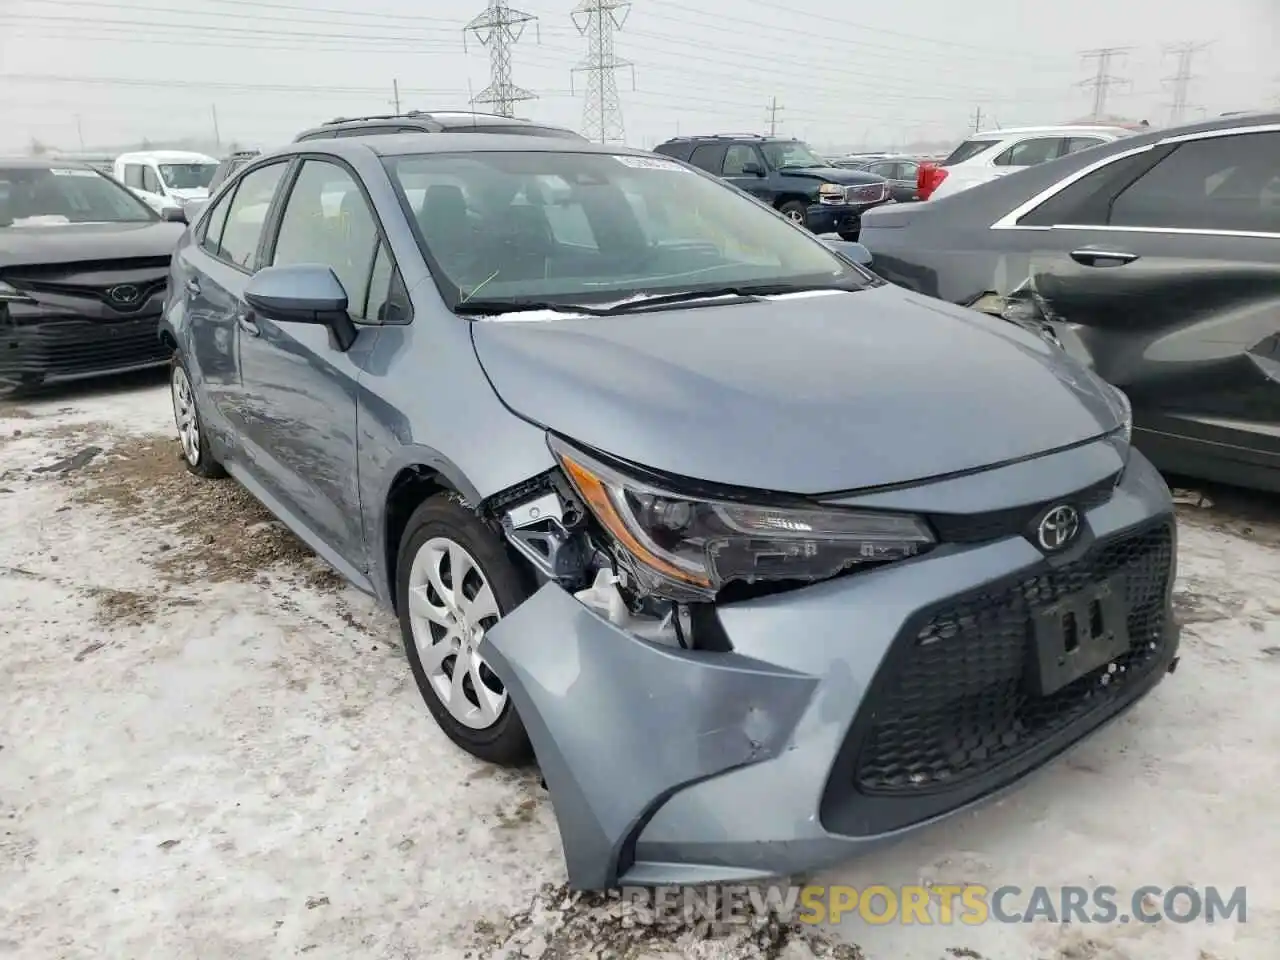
(843,73)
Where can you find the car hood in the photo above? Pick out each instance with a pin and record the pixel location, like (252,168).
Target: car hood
(803,394)
(832,174)
(190,193)
(74,242)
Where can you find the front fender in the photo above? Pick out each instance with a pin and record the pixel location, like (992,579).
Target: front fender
(620,724)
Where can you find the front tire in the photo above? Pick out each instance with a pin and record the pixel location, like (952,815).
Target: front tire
(186,417)
(454,581)
(796,212)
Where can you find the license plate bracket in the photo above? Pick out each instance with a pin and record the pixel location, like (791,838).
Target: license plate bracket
(1077,634)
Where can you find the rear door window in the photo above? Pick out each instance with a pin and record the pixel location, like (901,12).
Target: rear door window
(1086,202)
(1076,144)
(967,151)
(1223,183)
(210,235)
(1030,153)
(708,157)
(248,214)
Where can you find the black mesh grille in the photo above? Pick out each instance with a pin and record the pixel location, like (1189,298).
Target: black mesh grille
(980,527)
(69,347)
(959,703)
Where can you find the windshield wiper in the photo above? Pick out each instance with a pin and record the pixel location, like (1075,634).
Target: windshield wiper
(494,307)
(736,293)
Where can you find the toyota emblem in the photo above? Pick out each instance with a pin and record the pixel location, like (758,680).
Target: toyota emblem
(1058,528)
(123,294)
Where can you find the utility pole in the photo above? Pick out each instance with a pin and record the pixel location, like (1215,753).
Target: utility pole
(395,95)
(498,29)
(80,132)
(773,116)
(1102,81)
(217,135)
(1181,80)
(598,20)
(977,120)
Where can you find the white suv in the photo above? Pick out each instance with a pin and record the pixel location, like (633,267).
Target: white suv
(993,153)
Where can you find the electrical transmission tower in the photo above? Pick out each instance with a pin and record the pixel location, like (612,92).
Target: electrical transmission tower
(1102,81)
(1181,80)
(773,109)
(598,20)
(498,29)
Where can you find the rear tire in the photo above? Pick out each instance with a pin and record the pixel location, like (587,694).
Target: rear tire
(796,212)
(442,621)
(192,437)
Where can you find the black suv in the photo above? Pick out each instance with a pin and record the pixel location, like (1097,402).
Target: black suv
(788,176)
(444,121)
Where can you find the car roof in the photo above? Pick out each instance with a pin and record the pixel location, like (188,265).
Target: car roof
(399,144)
(427,121)
(166,156)
(36,163)
(993,199)
(732,136)
(1061,129)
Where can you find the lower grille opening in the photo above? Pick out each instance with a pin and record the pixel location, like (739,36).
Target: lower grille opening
(958,703)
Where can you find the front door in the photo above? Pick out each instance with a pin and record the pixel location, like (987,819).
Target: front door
(214,272)
(300,390)
(1169,263)
(744,167)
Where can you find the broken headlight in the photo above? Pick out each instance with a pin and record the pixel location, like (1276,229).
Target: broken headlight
(686,547)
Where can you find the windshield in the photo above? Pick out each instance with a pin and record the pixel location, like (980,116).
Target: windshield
(36,196)
(187,176)
(791,153)
(594,228)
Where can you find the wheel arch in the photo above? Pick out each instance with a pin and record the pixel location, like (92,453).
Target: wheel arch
(784,198)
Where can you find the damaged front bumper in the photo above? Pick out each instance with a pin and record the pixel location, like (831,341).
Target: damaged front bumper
(64,338)
(670,766)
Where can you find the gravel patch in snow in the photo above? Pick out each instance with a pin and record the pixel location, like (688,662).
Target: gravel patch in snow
(211,747)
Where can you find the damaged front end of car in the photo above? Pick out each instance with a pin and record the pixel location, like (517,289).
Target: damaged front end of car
(619,666)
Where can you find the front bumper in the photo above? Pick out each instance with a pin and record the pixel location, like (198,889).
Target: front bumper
(839,217)
(668,766)
(40,345)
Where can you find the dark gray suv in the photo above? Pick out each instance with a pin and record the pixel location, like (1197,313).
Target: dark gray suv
(764,560)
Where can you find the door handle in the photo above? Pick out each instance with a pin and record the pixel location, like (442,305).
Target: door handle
(248,324)
(193,286)
(1090,257)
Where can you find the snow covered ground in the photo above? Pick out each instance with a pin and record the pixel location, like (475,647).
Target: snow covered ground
(211,747)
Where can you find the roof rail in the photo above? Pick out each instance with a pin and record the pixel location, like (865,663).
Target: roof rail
(408,115)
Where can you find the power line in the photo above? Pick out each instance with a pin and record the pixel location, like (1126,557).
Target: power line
(1102,81)
(498,29)
(1181,80)
(597,20)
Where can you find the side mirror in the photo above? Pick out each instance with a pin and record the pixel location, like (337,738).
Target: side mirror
(752,169)
(851,251)
(173,215)
(303,293)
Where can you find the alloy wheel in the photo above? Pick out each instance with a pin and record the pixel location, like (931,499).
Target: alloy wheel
(451,605)
(184,416)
